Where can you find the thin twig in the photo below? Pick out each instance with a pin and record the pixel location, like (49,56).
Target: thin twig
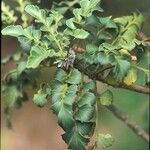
(132,125)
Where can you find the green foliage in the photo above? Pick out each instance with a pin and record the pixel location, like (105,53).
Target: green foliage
(37,54)
(40,98)
(105,140)
(74,110)
(105,44)
(106,98)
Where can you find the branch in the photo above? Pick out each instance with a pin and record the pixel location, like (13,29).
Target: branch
(132,125)
(92,72)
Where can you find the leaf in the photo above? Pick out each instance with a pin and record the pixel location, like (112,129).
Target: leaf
(107,22)
(60,75)
(13,30)
(91,48)
(38,54)
(34,11)
(65,93)
(74,77)
(106,98)
(74,139)
(40,98)
(85,113)
(70,23)
(85,5)
(121,68)
(25,43)
(86,128)
(80,34)
(57,16)
(36,34)
(89,86)
(131,77)
(88,6)
(129,28)
(105,140)
(64,113)
(87,99)
(58,90)
(77,13)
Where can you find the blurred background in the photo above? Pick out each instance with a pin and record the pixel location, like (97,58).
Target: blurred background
(36,128)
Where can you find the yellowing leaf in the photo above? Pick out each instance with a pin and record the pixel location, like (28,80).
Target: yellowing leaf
(131,77)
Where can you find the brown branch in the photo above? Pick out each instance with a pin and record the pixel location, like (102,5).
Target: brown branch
(132,125)
(92,72)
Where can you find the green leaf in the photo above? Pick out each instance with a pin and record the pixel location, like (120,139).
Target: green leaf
(77,13)
(88,6)
(105,140)
(107,22)
(75,139)
(58,90)
(57,16)
(34,11)
(64,113)
(36,34)
(70,23)
(121,68)
(80,34)
(89,86)
(86,128)
(25,43)
(85,113)
(77,33)
(38,54)
(106,98)
(91,48)
(13,30)
(60,75)
(40,98)
(74,77)
(65,93)
(94,3)
(129,28)
(85,5)
(87,99)
(131,77)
